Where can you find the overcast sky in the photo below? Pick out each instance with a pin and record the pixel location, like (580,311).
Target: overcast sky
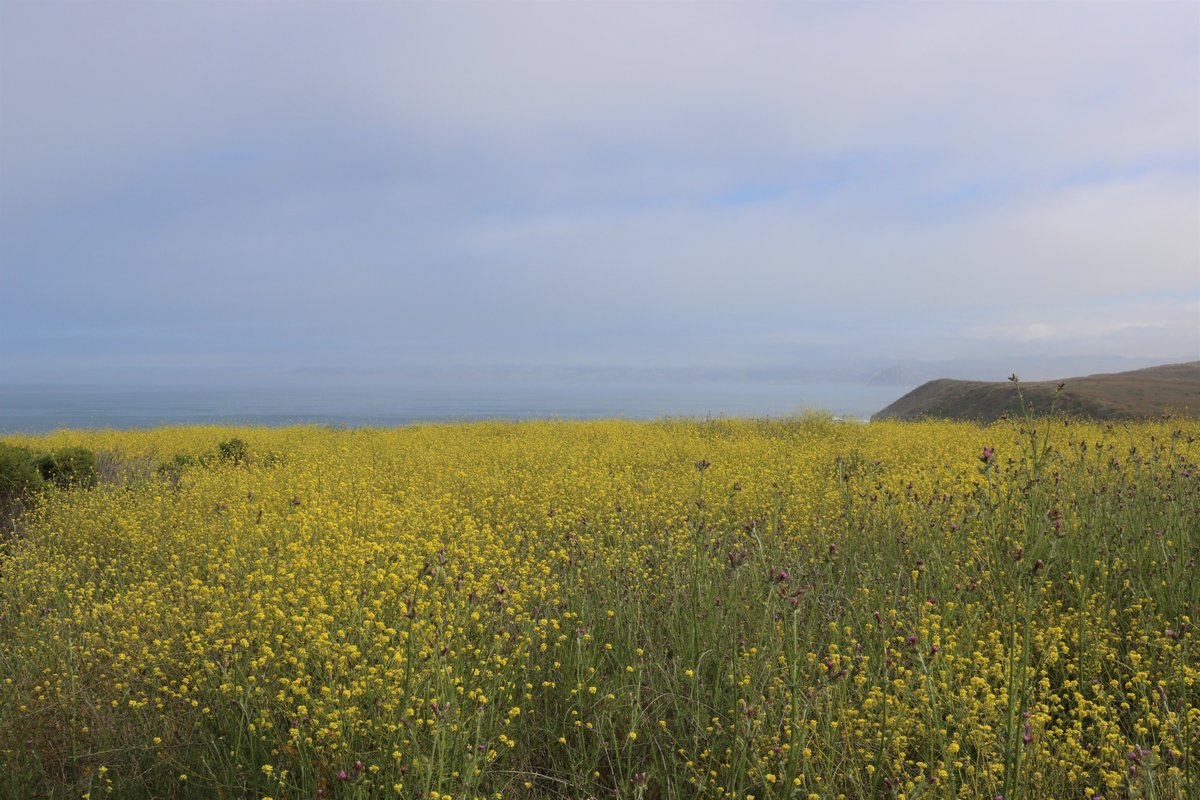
(214,189)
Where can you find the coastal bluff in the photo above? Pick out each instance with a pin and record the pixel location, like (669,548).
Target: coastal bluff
(1170,389)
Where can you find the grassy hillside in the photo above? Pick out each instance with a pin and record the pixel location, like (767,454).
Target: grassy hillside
(1170,389)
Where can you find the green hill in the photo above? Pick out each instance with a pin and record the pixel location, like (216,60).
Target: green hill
(1169,389)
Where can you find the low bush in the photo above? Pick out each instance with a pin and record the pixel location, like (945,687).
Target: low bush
(68,467)
(233,451)
(20,481)
(173,469)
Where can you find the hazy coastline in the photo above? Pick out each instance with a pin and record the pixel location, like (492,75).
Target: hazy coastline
(42,408)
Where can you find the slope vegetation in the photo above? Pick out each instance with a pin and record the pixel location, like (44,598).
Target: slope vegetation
(1169,389)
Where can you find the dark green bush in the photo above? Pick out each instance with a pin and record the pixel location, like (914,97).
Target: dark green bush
(178,462)
(173,469)
(68,467)
(20,482)
(233,451)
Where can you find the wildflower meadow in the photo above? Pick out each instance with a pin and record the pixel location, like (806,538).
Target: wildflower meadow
(785,608)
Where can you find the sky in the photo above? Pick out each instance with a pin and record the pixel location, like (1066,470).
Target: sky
(251,190)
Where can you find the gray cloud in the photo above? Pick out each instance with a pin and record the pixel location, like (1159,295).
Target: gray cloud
(597,182)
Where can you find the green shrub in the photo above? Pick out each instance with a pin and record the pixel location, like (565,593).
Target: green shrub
(173,469)
(233,451)
(69,467)
(20,482)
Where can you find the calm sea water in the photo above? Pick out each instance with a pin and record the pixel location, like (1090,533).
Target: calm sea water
(41,409)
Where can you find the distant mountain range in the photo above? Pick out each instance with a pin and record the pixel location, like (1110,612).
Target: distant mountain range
(1169,389)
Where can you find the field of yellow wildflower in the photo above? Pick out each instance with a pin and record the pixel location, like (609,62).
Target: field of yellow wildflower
(711,609)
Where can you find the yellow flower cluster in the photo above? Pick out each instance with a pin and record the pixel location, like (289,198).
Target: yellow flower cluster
(729,608)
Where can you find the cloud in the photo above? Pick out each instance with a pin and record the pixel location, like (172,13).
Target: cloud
(599,182)
(1128,326)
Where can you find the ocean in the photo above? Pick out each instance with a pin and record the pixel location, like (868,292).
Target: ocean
(39,409)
